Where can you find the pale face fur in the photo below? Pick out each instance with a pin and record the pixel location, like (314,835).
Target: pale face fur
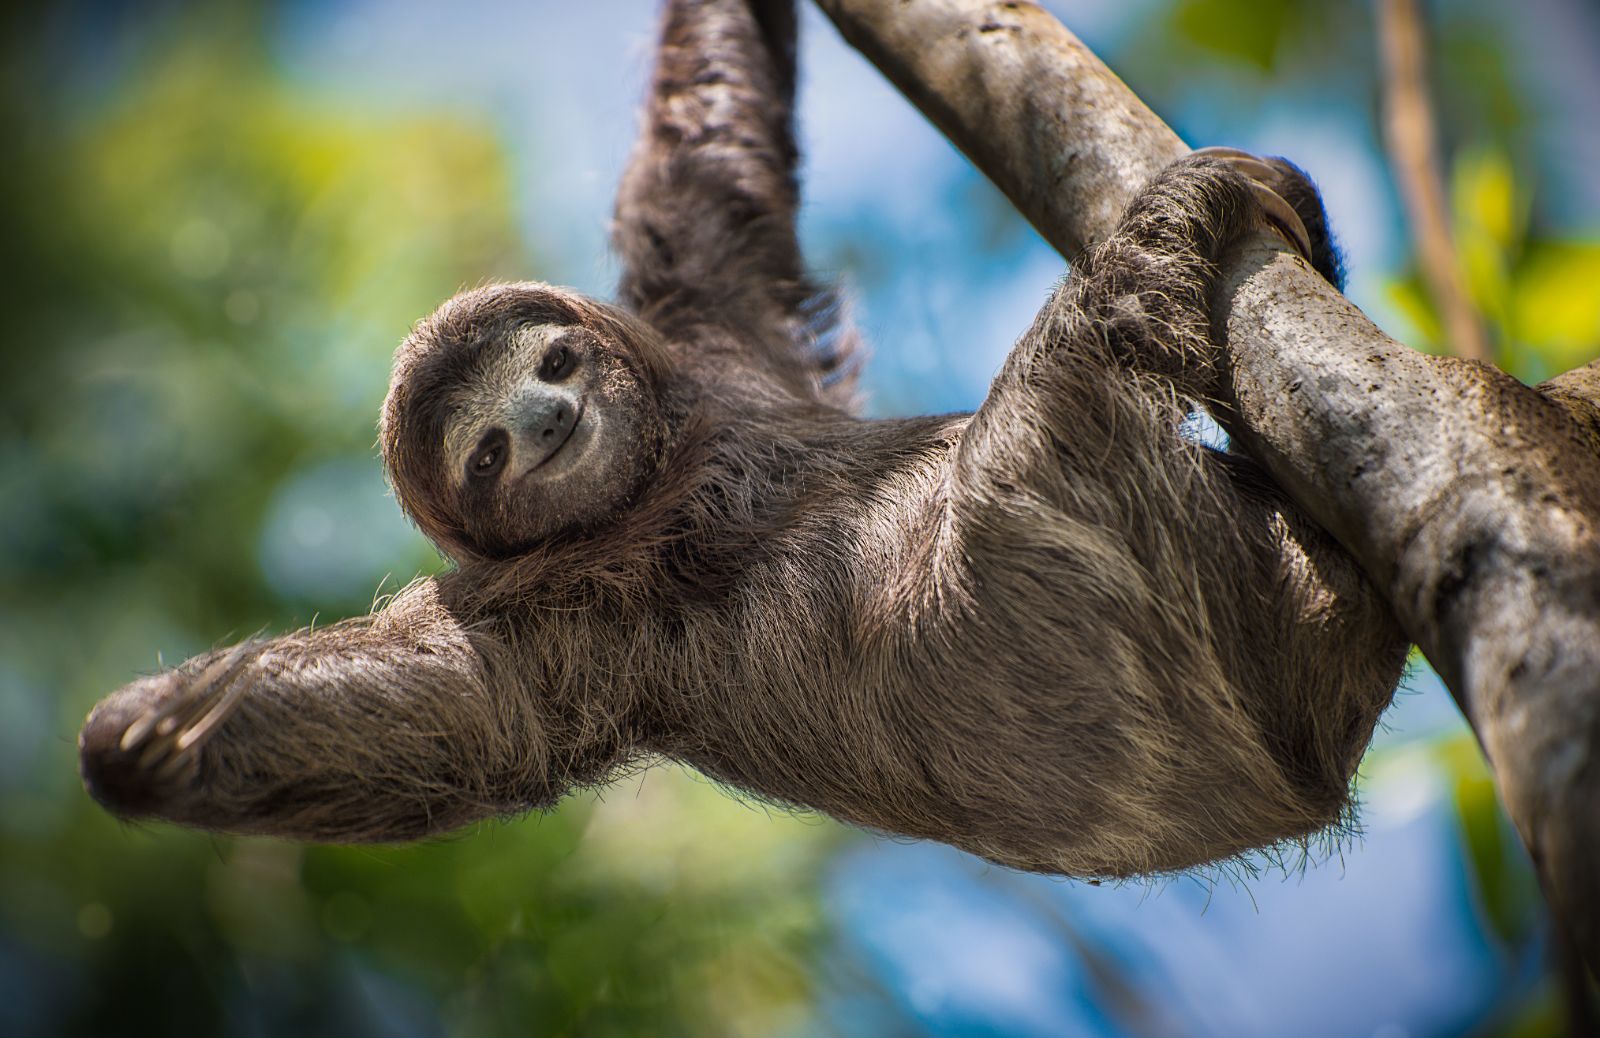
(545,436)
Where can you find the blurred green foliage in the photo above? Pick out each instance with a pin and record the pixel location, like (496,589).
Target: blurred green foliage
(1536,291)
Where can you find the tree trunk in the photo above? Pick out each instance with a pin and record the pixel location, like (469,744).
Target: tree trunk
(1470,500)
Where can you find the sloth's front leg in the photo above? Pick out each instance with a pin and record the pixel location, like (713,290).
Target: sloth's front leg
(387,727)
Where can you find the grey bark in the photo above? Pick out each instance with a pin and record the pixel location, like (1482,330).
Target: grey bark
(1470,500)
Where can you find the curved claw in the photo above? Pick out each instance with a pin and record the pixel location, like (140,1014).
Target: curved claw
(169,731)
(1261,175)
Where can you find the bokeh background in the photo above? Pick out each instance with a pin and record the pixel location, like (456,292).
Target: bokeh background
(216,221)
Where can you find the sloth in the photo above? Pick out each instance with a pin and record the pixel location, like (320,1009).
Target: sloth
(1057,632)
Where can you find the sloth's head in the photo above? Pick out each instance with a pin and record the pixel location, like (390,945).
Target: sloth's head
(520,412)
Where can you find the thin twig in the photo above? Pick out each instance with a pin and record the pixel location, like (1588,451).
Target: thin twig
(1409,133)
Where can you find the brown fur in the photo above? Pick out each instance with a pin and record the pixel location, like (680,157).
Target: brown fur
(1054,633)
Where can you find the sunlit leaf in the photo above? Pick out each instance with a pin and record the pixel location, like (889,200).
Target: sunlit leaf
(1488,228)
(1408,296)
(1486,199)
(1556,302)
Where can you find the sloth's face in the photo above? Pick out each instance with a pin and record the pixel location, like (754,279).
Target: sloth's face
(523,421)
(545,436)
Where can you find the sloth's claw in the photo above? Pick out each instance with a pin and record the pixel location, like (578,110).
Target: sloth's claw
(1263,177)
(1283,218)
(168,731)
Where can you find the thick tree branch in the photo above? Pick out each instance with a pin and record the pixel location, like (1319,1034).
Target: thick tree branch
(1578,392)
(1008,84)
(1470,500)
(1409,133)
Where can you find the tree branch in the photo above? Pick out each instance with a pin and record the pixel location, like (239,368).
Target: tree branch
(1409,133)
(1470,500)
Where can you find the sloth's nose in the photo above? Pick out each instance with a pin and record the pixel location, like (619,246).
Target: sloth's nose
(550,420)
(544,420)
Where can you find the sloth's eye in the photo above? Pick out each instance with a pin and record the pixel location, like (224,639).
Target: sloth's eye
(558,364)
(488,459)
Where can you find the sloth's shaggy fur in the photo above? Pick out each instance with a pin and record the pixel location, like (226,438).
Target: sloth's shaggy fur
(1055,633)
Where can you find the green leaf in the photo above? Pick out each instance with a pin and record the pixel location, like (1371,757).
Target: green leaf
(1555,302)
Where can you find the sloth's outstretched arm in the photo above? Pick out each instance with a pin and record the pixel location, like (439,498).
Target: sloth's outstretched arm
(387,727)
(705,214)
